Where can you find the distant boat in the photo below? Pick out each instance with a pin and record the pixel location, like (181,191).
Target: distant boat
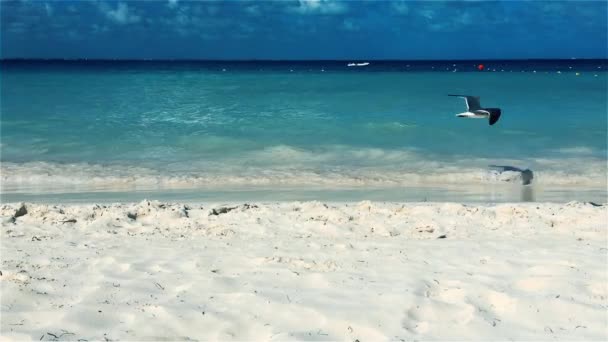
(358,64)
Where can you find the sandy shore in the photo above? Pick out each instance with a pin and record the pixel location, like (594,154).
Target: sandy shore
(304,271)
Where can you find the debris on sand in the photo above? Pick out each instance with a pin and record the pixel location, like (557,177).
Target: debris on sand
(221,210)
(21,211)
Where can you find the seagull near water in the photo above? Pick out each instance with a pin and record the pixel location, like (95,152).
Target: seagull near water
(475,111)
(526,175)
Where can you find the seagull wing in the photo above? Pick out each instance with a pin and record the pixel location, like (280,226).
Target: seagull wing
(471,101)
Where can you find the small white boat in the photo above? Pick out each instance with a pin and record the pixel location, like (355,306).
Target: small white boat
(358,64)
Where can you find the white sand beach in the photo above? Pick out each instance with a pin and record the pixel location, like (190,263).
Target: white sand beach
(304,271)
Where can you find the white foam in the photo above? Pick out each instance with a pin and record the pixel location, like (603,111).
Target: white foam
(286,166)
(292,168)
(576,150)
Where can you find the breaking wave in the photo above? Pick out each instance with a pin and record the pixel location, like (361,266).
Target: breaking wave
(284,166)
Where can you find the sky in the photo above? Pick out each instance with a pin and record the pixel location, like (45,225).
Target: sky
(303,29)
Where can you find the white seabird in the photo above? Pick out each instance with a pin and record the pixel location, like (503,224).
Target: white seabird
(475,111)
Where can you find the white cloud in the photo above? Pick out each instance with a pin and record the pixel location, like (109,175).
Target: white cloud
(74,35)
(350,25)
(172,3)
(119,15)
(464,18)
(427,13)
(400,7)
(319,6)
(253,10)
(17,27)
(212,10)
(99,29)
(49,9)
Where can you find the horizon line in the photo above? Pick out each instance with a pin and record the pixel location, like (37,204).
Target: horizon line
(290,60)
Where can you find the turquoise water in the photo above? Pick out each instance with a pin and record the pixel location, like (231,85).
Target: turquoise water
(79,128)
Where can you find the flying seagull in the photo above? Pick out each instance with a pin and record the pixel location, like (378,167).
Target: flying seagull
(474,110)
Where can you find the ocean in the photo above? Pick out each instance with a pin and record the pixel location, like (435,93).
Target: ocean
(187,130)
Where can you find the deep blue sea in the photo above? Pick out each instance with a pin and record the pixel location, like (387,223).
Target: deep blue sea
(301,130)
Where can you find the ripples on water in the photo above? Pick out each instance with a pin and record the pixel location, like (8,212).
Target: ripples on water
(192,125)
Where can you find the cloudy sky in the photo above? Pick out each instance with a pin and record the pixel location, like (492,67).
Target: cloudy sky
(303,29)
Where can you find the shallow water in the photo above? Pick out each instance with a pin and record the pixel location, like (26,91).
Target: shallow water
(183,128)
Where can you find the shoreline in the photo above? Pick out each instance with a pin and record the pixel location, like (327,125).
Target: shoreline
(304,270)
(495,194)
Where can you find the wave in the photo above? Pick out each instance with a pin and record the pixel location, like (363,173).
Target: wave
(284,166)
(576,150)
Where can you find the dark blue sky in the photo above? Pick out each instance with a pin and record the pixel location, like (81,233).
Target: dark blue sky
(304,29)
